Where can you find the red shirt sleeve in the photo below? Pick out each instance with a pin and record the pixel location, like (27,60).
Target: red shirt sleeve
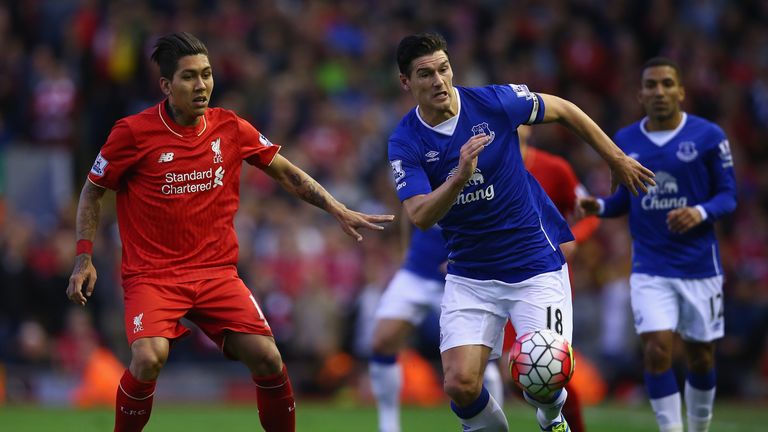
(255,148)
(117,155)
(585,227)
(570,184)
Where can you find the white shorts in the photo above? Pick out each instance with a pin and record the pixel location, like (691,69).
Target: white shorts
(410,297)
(474,312)
(691,307)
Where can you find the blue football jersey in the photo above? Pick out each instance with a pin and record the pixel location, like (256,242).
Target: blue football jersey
(426,253)
(693,167)
(502,225)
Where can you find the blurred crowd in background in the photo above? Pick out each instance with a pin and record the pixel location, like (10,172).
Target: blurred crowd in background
(319,78)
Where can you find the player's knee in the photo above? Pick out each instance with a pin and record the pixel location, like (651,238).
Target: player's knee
(462,388)
(146,364)
(701,361)
(658,356)
(381,345)
(263,361)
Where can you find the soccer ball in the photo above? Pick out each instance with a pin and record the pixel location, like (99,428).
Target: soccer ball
(541,362)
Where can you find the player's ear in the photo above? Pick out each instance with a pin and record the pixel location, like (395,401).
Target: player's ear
(404,82)
(165,86)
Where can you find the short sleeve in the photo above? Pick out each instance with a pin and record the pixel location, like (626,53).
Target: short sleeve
(116,157)
(255,148)
(409,176)
(521,105)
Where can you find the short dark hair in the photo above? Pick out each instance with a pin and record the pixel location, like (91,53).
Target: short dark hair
(170,48)
(663,61)
(418,45)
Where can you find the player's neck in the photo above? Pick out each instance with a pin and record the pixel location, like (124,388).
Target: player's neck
(178,117)
(666,123)
(435,116)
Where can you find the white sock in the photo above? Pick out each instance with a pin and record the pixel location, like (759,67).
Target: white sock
(668,415)
(490,419)
(494,383)
(548,412)
(386,383)
(698,405)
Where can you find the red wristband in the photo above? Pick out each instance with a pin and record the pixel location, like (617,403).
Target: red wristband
(84,246)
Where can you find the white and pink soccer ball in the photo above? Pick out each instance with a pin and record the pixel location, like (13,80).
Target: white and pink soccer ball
(541,362)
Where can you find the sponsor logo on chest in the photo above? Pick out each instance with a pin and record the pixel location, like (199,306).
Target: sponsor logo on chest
(476,181)
(195,180)
(664,195)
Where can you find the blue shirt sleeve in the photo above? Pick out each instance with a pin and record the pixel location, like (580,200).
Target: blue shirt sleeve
(521,105)
(720,166)
(617,204)
(410,178)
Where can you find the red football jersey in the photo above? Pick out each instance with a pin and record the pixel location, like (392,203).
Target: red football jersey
(178,190)
(562,186)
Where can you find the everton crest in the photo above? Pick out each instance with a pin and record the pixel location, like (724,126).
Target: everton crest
(686,151)
(483,128)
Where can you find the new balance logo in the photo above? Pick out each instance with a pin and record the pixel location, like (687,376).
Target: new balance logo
(165,157)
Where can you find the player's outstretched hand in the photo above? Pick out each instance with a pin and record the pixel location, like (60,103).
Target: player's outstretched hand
(682,219)
(631,174)
(589,206)
(83,273)
(351,221)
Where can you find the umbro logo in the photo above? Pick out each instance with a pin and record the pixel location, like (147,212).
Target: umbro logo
(165,157)
(432,156)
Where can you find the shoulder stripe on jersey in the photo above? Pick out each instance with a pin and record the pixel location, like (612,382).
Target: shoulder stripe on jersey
(535,110)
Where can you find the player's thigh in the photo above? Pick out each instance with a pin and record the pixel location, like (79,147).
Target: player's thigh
(655,303)
(225,306)
(701,316)
(155,309)
(543,302)
(409,297)
(471,314)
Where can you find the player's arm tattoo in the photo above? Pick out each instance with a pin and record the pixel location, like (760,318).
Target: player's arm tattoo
(88,211)
(302,185)
(308,189)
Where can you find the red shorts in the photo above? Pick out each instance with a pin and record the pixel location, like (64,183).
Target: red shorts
(217,306)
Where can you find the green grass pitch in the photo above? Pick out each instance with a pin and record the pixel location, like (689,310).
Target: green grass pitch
(317,417)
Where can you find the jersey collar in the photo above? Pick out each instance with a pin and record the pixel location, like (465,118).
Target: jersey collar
(449,126)
(177,129)
(662,137)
